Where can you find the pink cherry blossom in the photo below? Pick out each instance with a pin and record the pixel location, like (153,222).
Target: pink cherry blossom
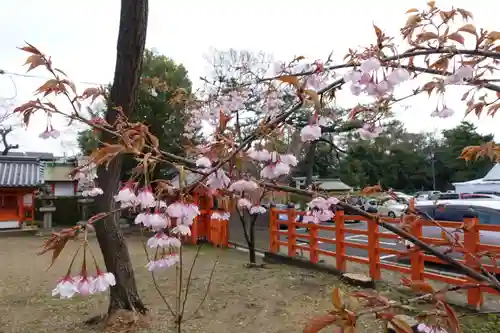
(259,155)
(84,284)
(310,133)
(218,180)
(160,239)
(369,65)
(168,261)
(145,198)
(368,132)
(243,185)
(203,162)
(181,229)
(126,196)
(289,159)
(244,203)
(66,287)
(102,281)
(257,210)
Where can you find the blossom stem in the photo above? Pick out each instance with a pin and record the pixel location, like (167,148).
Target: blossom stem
(73,260)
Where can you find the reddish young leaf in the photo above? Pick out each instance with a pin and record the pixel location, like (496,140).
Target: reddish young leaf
(337,298)
(318,323)
(456,37)
(34,61)
(451,318)
(30,48)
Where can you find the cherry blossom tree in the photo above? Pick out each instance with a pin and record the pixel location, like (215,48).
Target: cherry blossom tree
(441,46)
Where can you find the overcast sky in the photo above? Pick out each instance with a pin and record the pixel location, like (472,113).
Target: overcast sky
(81,38)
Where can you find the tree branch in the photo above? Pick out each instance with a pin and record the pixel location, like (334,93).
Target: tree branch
(6,146)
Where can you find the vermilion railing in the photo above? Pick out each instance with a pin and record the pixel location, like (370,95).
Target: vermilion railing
(416,270)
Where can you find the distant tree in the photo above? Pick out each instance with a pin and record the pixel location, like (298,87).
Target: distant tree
(161,81)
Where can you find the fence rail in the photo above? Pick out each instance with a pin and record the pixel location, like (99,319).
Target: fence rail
(312,238)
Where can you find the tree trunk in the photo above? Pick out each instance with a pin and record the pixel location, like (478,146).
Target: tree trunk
(251,242)
(130,49)
(310,158)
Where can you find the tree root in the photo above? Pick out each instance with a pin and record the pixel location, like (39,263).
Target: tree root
(119,321)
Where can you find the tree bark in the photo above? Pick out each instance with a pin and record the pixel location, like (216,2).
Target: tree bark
(130,49)
(251,242)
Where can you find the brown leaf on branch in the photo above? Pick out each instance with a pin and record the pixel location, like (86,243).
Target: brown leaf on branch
(57,243)
(412,10)
(30,49)
(429,87)
(413,20)
(451,318)
(466,15)
(492,109)
(316,324)
(426,36)
(469,28)
(105,154)
(34,61)
(456,37)
(493,36)
(92,93)
(293,80)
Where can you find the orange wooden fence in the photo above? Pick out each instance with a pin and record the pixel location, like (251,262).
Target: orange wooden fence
(211,228)
(415,271)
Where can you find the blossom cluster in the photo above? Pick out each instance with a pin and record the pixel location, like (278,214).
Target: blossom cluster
(86,177)
(169,221)
(274,164)
(83,284)
(320,210)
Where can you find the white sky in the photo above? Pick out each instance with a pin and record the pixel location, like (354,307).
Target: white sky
(81,38)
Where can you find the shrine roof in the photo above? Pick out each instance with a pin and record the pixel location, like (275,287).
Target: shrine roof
(20,171)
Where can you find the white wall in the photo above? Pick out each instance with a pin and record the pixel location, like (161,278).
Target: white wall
(64,189)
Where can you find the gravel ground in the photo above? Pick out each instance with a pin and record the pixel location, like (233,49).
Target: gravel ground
(277,298)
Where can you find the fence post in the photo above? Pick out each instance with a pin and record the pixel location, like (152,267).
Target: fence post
(417,257)
(273,228)
(374,249)
(313,242)
(471,244)
(339,241)
(292,232)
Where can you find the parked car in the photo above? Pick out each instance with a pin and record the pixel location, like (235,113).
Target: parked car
(425,195)
(387,207)
(456,196)
(488,212)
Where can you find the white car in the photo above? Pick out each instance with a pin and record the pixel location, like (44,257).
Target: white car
(387,207)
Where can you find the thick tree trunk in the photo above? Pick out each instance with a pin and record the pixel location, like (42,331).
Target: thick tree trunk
(130,49)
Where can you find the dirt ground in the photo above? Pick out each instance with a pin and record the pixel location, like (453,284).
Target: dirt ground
(276,299)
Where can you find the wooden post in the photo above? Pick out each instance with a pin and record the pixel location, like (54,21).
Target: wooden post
(313,242)
(339,241)
(471,244)
(292,232)
(273,228)
(417,257)
(374,250)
